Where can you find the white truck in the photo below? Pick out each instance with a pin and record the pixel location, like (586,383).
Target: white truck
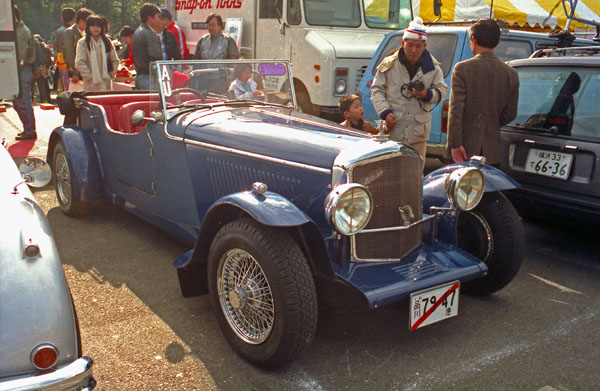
(329,42)
(9,88)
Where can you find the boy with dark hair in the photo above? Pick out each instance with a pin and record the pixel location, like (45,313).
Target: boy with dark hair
(352,111)
(126,55)
(177,32)
(146,44)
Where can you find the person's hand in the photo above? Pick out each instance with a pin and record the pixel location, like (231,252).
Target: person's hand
(459,154)
(74,79)
(419,94)
(390,120)
(258,94)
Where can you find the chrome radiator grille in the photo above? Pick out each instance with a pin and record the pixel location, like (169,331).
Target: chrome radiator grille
(394,183)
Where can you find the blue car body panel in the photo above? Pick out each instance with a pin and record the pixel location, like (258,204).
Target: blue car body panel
(179,175)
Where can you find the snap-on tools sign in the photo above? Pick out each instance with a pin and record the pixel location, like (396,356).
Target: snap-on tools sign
(191,5)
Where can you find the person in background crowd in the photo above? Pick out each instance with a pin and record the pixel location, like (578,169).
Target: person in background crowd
(67,17)
(96,58)
(353,112)
(168,42)
(70,38)
(146,45)
(25,58)
(243,87)
(43,63)
(177,32)
(215,45)
(408,81)
(126,55)
(484,97)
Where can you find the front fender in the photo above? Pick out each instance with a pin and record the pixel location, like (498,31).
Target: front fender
(433,184)
(81,154)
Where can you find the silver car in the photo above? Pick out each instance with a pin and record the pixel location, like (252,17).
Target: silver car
(552,148)
(40,346)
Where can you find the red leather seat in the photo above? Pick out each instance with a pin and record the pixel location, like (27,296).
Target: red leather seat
(125,112)
(112,104)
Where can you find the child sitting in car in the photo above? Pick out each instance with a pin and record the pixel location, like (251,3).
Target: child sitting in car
(243,87)
(352,111)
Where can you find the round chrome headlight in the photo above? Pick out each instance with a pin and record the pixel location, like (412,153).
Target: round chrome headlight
(340,86)
(349,208)
(464,187)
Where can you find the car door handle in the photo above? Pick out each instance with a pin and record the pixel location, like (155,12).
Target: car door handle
(573,147)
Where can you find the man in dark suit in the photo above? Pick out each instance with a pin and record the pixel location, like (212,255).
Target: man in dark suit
(484,97)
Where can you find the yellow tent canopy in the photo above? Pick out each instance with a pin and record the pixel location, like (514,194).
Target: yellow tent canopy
(530,14)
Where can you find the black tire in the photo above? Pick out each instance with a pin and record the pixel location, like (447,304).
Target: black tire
(285,312)
(492,232)
(304,103)
(63,177)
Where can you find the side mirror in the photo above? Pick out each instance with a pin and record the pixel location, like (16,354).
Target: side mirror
(35,172)
(137,118)
(437,7)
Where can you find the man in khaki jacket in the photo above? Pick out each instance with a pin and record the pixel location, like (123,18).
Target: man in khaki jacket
(407,108)
(484,97)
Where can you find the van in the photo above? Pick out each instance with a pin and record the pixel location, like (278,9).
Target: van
(450,45)
(328,42)
(9,88)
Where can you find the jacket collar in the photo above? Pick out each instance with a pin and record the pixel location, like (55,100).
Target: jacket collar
(427,61)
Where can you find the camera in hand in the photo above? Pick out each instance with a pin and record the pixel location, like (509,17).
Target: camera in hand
(416,85)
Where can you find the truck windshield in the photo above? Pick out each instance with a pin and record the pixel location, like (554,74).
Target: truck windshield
(388,14)
(385,14)
(342,13)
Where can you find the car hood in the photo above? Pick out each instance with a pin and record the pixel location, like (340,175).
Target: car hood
(347,44)
(279,133)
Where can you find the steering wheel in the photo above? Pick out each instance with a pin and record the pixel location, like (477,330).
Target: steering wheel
(178,91)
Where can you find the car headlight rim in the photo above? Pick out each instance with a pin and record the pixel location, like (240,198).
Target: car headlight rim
(349,208)
(465,187)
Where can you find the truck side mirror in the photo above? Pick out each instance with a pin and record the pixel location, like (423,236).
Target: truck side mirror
(437,7)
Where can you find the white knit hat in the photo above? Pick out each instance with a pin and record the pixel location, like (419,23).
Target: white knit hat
(415,30)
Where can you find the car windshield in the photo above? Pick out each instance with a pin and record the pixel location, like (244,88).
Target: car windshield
(207,83)
(386,14)
(560,100)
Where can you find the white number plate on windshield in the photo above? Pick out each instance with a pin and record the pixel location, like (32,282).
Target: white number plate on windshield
(433,305)
(552,164)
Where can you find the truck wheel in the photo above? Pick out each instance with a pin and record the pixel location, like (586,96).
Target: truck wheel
(304,103)
(492,232)
(63,175)
(263,293)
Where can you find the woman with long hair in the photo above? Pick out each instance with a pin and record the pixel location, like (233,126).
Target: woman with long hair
(96,58)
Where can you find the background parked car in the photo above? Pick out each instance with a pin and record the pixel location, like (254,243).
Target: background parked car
(450,45)
(552,148)
(40,346)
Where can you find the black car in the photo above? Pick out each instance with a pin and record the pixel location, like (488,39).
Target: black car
(552,148)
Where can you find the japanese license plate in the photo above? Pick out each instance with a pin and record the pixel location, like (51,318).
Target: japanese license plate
(433,305)
(552,164)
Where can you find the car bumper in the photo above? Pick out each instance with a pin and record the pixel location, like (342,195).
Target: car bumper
(74,376)
(554,201)
(431,265)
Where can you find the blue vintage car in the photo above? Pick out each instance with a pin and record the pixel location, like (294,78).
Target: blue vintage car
(285,213)
(40,346)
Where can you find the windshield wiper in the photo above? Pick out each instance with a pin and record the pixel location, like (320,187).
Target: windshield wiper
(524,127)
(249,102)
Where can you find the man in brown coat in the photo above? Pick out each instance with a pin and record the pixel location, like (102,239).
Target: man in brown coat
(484,97)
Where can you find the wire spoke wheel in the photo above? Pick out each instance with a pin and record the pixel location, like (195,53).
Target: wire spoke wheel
(63,178)
(245,296)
